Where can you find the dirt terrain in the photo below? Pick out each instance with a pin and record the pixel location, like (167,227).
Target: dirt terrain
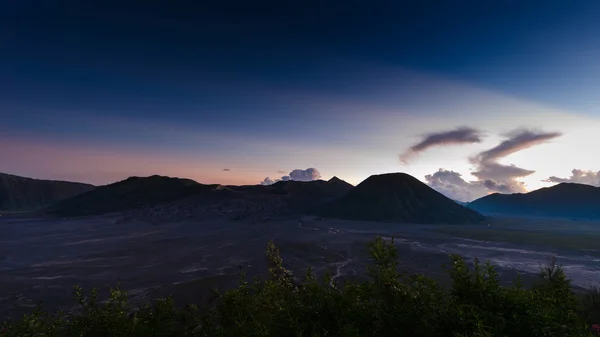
(41,259)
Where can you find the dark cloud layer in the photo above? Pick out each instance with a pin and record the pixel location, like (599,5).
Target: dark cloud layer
(491,175)
(460,135)
(309,174)
(226,169)
(578,176)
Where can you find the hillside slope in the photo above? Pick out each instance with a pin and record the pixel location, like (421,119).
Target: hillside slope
(562,200)
(306,195)
(28,194)
(248,202)
(128,194)
(398,197)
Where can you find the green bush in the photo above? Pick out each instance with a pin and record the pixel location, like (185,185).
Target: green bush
(387,304)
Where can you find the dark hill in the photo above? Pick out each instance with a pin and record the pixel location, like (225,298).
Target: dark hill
(339,186)
(562,200)
(331,189)
(27,194)
(334,188)
(302,196)
(133,192)
(249,202)
(398,197)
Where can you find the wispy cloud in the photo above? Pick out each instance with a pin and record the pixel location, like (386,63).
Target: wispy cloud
(517,140)
(460,135)
(503,178)
(587,177)
(491,175)
(226,170)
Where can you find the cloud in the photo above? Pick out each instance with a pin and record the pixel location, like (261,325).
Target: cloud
(226,170)
(518,140)
(305,175)
(495,171)
(281,171)
(309,174)
(460,135)
(268,181)
(503,178)
(491,175)
(578,176)
(452,185)
(505,187)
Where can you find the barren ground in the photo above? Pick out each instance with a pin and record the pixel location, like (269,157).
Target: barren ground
(41,259)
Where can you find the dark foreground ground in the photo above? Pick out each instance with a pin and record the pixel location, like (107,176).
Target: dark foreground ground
(41,259)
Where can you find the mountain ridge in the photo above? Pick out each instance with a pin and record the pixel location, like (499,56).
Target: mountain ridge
(398,197)
(133,192)
(18,193)
(152,191)
(562,200)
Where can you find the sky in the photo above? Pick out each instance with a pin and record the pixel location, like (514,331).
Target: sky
(471,97)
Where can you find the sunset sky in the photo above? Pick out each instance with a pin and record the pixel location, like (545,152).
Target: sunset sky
(233,92)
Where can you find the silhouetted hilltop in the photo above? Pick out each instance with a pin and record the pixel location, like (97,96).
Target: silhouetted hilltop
(339,186)
(248,202)
(398,197)
(562,200)
(317,188)
(28,194)
(133,192)
(306,195)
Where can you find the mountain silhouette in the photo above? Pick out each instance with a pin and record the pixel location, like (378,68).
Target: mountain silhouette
(397,197)
(563,200)
(334,188)
(303,196)
(28,194)
(133,192)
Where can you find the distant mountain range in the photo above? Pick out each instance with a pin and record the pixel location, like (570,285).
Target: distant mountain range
(137,192)
(27,194)
(398,197)
(393,197)
(563,200)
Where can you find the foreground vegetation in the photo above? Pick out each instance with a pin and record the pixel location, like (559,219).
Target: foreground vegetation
(387,304)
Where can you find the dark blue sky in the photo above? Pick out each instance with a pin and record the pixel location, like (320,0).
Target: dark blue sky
(72,71)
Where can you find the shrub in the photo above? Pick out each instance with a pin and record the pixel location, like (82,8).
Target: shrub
(387,304)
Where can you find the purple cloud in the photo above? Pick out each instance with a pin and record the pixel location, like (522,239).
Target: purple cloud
(460,135)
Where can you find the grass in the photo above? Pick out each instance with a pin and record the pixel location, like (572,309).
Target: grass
(385,304)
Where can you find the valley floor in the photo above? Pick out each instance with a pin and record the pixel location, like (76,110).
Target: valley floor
(41,259)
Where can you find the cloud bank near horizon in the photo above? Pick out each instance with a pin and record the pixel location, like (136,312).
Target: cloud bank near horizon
(491,175)
(460,135)
(309,174)
(587,177)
